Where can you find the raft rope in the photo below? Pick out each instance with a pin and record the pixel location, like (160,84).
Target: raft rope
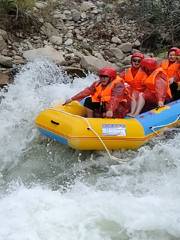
(111,157)
(164,125)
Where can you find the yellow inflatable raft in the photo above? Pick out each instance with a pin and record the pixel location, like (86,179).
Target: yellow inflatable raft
(68,125)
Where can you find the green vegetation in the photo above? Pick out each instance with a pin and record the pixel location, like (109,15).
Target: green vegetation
(17,15)
(16,7)
(6,6)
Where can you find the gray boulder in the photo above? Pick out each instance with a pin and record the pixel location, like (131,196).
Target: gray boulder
(93,64)
(48,30)
(6,61)
(126,47)
(47,52)
(3,44)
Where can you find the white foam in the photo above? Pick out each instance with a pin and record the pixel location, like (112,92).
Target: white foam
(87,212)
(137,200)
(38,85)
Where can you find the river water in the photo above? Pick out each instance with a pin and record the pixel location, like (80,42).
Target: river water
(51,192)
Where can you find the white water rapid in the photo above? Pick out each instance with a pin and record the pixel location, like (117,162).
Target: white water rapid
(51,192)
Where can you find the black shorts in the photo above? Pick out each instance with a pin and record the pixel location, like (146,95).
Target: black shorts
(174,91)
(92,105)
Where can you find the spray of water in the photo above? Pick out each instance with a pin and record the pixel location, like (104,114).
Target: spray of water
(51,192)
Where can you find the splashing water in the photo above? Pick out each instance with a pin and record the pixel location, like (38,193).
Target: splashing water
(51,192)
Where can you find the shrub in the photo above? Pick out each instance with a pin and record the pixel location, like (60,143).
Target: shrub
(16,6)
(17,15)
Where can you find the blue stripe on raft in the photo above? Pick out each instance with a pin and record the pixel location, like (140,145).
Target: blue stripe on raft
(152,119)
(53,136)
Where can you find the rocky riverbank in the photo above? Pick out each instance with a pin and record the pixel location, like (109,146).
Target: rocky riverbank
(75,34)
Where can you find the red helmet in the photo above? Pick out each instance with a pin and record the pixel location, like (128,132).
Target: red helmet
(108,71)
(138,55)
(173,49)
(178,52)
(149,63)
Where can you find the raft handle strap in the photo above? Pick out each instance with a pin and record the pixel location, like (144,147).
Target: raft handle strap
(56,123)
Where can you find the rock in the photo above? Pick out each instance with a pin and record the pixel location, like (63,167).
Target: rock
(48,30)
(121,1)
(117,53)
(95,11)
(58,22)
(68,42)
(41,20)
(86,46)
(29,45)
(56,40)
(18,60)
(79,37)
(126,47)
(115,40)
(92,63)
(86,52)
(109,7)
(48,52)
(5,52)
(83,15)
(71,27)
(86,6)
(100,3)
(76,15)
(69,35)
(67,15)
(77,53)
(40,5)
(137,43)
(135,50)
(98,55)
(75,71)
(3,44)
(127,60)
(4,79)
(62,16)
(4,34)
(6,61)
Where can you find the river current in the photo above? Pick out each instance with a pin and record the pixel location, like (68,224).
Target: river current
(51,192)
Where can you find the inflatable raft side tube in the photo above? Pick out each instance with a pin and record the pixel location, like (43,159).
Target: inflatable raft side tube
(53,136)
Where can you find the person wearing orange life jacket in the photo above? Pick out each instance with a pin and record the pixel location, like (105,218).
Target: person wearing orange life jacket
(175,86)
(178,62)
(157,87)
(108,96)
(135,77)
(170,65)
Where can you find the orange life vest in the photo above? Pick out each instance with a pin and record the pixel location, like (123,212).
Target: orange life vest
(135,82)
(150,81)
(103,94)
(170,69)
(178,74)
